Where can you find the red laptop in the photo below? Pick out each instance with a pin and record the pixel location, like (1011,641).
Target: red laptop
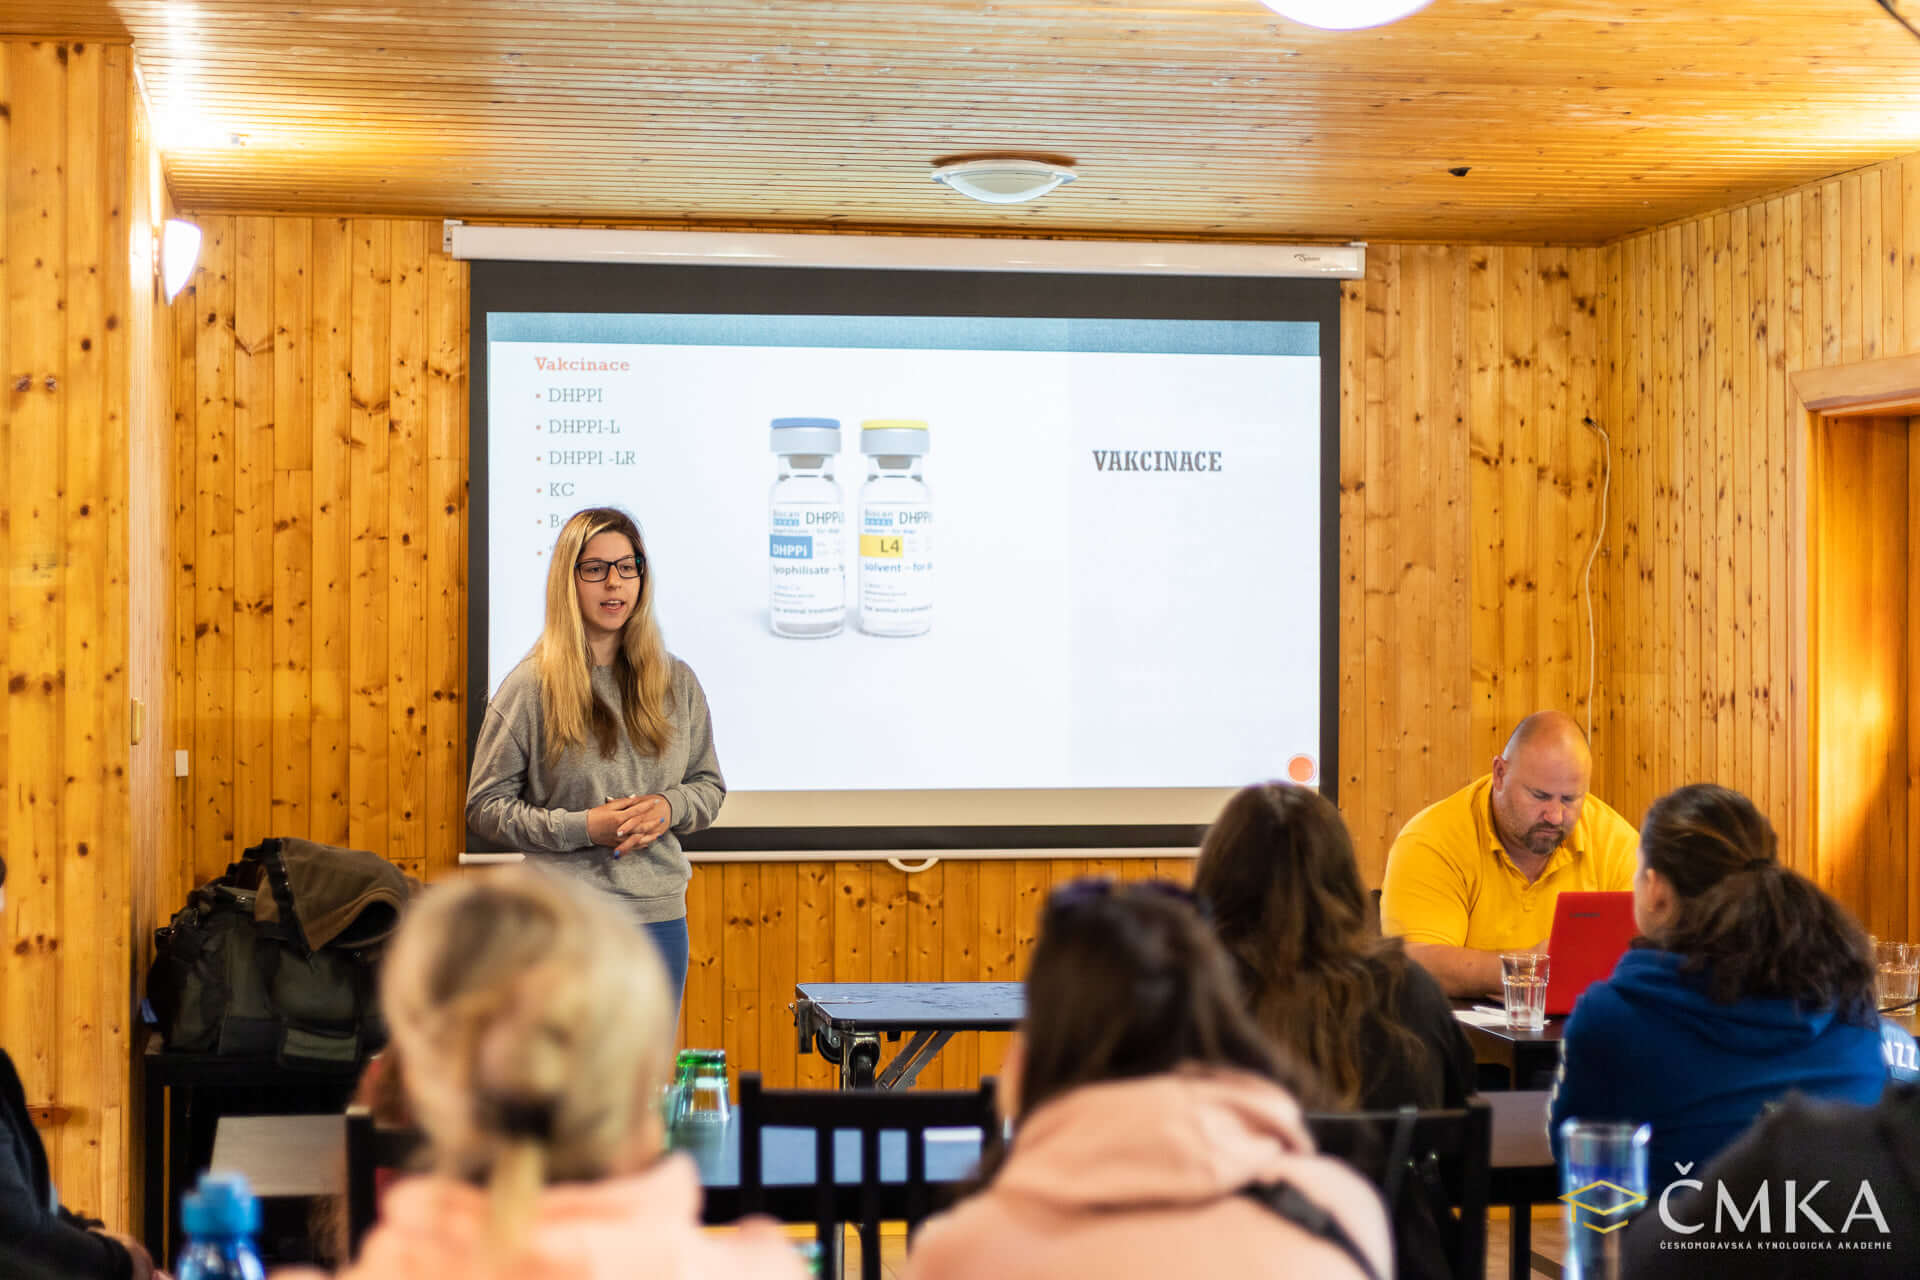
(1591,931)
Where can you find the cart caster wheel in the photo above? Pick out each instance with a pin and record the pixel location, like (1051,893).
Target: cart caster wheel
(828,1049)
(864,1064)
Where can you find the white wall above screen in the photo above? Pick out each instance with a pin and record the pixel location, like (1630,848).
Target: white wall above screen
(904,253)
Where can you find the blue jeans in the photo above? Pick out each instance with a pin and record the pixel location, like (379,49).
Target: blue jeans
(670,936)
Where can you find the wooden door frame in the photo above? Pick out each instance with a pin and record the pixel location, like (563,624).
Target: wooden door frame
(1885,388)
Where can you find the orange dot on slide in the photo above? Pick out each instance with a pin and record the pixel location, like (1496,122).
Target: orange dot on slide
(1301,769)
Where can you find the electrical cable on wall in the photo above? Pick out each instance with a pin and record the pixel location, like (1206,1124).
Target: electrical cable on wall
(1606,484)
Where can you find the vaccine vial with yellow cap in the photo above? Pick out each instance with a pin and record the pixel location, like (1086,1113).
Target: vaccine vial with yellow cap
(896,530)
(806,545)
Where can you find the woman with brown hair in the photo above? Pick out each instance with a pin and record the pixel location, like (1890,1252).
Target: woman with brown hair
(1751,982)
(1278,875)
(1156,1132)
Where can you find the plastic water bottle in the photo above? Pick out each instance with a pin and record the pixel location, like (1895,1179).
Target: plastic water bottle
(219,1217)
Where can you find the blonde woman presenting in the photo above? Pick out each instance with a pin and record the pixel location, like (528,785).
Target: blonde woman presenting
(597,752)
(534,1030)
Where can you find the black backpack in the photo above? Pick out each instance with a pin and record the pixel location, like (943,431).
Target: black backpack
(277,958)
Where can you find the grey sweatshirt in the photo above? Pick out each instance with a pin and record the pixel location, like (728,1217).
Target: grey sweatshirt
(517,800)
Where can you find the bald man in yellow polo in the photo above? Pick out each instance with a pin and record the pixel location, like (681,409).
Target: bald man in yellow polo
(1477,873)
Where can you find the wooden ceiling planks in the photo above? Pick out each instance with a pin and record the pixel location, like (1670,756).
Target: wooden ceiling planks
(1581,120)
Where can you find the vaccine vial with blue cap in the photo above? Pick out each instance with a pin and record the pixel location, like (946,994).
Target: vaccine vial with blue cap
(806,545)
(896,530)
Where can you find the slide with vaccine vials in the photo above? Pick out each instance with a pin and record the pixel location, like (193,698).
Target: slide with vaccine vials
(929,553)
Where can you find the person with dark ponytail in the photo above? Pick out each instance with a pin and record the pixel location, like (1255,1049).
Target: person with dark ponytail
(1156,1132)
(1750,982)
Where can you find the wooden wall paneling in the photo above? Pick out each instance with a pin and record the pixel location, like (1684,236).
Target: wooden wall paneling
(998,908)
(369,785)
(961,888)
(445,552)
(1675,465)
(1487,445)
(740,943)
(1734,497)
(1732,342)
(779,967)
(332,332)
(1584,629)
(926,951)
(1454,701)
(405,623)
(83,799)
(253,541)
(1906,250)
(1411,356)
(292,602)
(214,725)
(183,396)
(1369,811)
(36,589)
(1819,334)
(1850,280)
(1696,437)
(702,1006)
(813,929)
(1782,277)
(1721,616)
(1520,497)
(1557,589)
(1352,667)
(1752,509)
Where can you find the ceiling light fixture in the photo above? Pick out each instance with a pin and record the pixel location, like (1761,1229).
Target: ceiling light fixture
(1345,15)
(1003,179)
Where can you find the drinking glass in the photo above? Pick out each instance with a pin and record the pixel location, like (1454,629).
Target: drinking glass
(1523,989)
(1896,973)
(706,1103)
(1603,1182)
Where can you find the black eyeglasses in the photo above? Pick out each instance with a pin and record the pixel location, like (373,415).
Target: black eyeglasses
(596,570)
(1086,890)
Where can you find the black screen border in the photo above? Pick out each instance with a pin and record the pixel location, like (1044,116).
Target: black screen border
(571,287)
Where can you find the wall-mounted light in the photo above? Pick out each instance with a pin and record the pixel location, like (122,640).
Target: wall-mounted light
(179,250)
(1345,15)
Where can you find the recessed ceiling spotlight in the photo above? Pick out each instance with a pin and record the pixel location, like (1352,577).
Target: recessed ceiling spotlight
(1345,15)
(1003,179)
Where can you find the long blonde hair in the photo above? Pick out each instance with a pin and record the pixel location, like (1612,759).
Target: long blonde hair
(640,666)
(533,1025)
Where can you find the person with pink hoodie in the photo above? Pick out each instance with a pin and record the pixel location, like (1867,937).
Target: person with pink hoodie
(1155,1131)
(534,1027)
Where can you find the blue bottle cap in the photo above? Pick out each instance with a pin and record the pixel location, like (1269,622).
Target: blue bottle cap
(221,1204)
(789,424)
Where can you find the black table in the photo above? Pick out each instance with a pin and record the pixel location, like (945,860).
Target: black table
(1525,1054)
(184,1097)
(1524,1173)
(844,1021)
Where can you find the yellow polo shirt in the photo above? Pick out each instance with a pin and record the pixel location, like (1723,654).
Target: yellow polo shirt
(1450,881)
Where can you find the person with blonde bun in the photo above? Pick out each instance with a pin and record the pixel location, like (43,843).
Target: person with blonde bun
(535,1031)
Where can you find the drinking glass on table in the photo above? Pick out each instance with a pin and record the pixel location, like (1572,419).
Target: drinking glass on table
(1603,1182)
(1896,973)
(1523,989)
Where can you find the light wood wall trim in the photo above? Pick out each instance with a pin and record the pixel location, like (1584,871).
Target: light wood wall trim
(1887,387)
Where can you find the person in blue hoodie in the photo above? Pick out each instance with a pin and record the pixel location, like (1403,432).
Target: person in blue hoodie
(1749,982)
